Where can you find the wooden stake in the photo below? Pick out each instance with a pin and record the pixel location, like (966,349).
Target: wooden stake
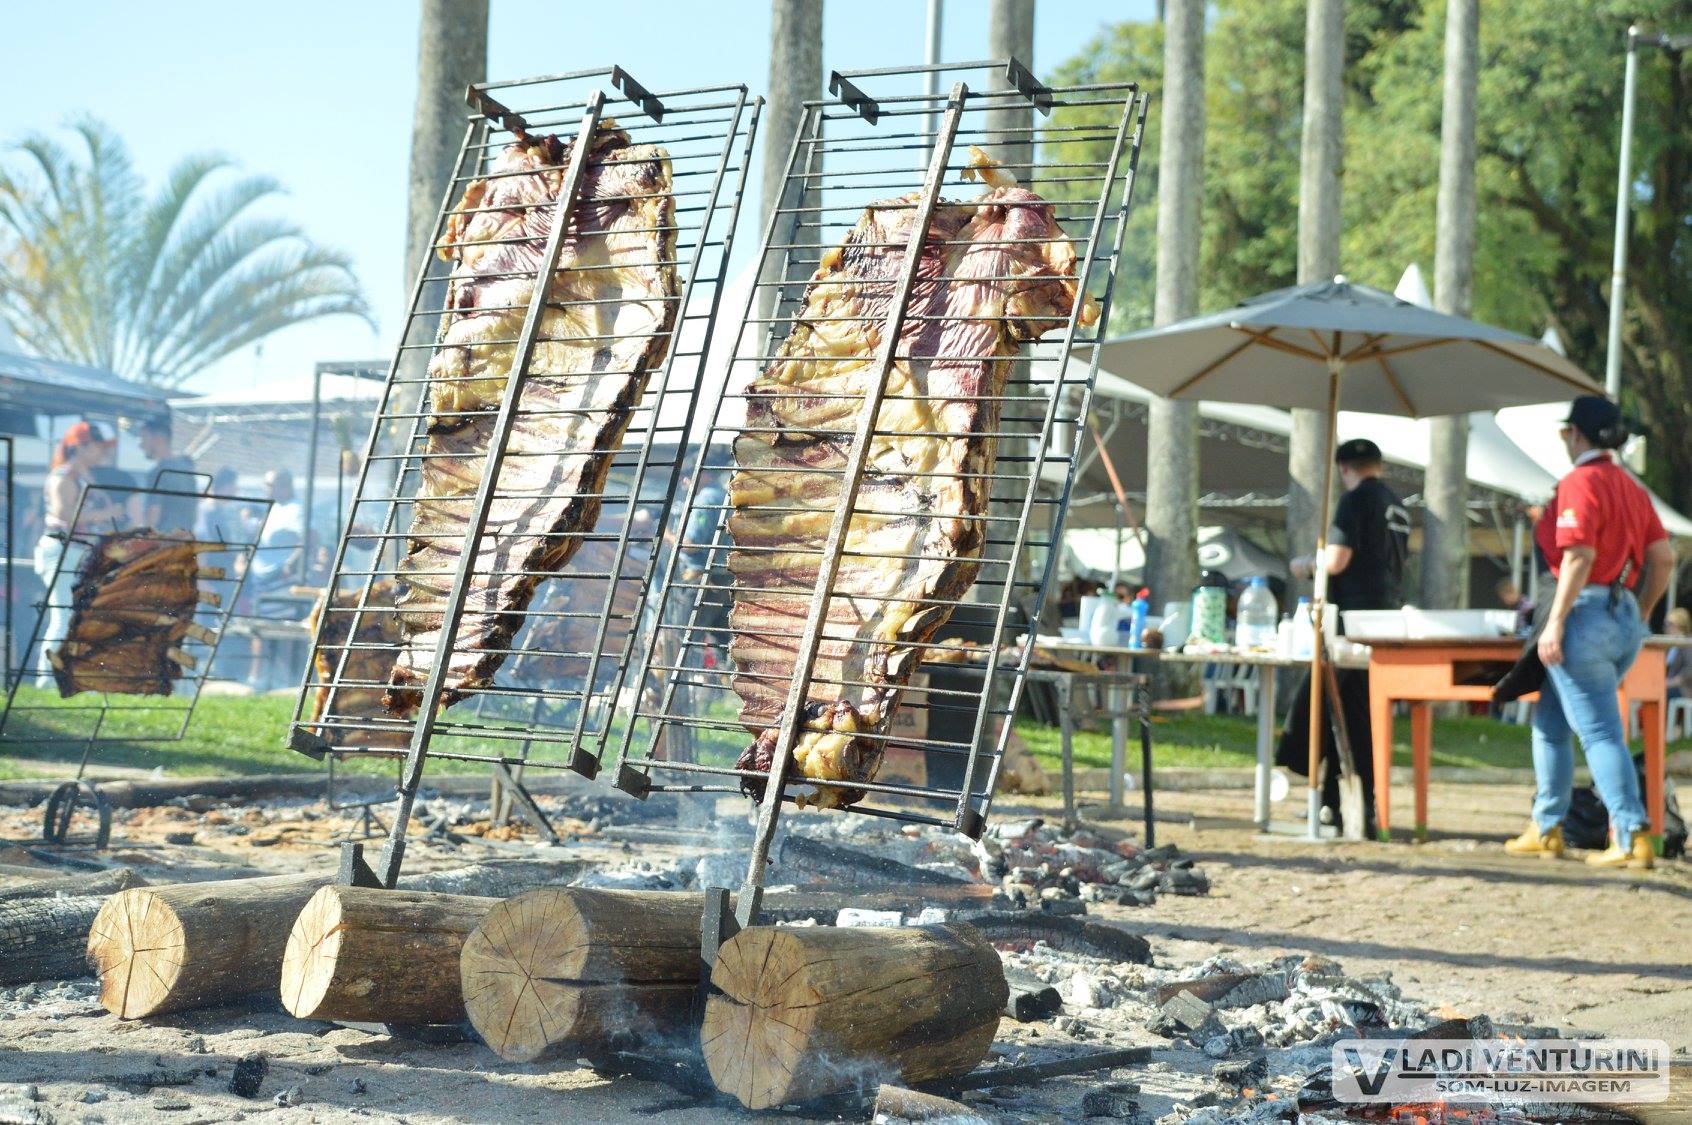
(563,967)
(379,956)
(799,1014)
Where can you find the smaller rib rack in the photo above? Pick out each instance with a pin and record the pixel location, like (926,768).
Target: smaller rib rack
(136,596)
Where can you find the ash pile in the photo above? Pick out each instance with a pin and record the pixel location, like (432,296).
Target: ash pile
(1227,1042)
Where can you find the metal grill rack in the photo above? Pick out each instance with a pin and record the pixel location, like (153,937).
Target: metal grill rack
(883,142)
(34,715)
(552,702)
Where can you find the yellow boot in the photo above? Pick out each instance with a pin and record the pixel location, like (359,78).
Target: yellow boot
(1545,845)
(1641,856)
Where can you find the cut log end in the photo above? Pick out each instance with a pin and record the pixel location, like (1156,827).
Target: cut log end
(370,955)
(137,946)
(799,1014)
(308,964)
(558,968)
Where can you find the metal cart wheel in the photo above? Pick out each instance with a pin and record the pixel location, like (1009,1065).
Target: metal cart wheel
(62,806)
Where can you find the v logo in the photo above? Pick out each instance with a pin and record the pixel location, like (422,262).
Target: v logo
(1371,1083)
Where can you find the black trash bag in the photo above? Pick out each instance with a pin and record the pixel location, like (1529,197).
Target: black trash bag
(1587,824)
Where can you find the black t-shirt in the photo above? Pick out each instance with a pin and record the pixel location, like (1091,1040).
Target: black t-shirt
(1373,522)
(175,474)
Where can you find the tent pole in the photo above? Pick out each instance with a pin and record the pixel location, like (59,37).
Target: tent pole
(1318,608)
(1518,541)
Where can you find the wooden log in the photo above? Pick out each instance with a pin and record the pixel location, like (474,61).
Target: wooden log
(191,945)
(896,1105)
(46,938)
(379,956)
(107,882)
(799,1014)
(557,969)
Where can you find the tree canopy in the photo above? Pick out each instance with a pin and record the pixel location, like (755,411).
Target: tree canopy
(155,286)
(1548,134)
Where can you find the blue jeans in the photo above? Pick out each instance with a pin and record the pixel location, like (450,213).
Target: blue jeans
(1579,697)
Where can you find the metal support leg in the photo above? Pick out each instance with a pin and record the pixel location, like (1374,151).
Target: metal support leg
(1265,744)
(1119,708)
(1066,728)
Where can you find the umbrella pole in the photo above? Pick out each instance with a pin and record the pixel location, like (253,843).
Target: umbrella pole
(1319,603)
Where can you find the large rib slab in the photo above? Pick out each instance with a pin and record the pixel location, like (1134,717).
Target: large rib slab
(994,273)
(610,307)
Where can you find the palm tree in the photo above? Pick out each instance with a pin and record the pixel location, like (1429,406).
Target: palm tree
(153,286)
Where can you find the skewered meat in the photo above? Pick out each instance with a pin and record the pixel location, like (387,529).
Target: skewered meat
(365,670)
(911,548)
(133,604)
(610,306)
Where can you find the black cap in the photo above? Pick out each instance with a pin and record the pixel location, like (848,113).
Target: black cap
(1357,451)
(1599,419)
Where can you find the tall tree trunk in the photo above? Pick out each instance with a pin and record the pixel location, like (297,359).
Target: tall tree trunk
(1010,34)
(1172,433)
(1445,552)
(795,74)
(452,52)
(1320,162)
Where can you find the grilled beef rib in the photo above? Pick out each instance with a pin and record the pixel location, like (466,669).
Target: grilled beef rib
(133,603)
(912,547)
(610,307)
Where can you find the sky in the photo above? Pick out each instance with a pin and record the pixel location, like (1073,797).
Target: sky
(320,95)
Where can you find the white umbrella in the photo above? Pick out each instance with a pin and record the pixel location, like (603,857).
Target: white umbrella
(1335,346)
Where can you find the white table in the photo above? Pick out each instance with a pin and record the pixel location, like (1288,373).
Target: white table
(1268,665)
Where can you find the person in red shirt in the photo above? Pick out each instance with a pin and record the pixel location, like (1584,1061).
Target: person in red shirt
(1602,539)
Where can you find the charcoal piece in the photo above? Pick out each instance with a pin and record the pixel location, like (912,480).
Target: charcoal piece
(248,1075)
(1187,1010)
(1108,1103)
(1248,1073)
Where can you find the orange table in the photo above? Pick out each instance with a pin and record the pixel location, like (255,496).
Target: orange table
(1424,672)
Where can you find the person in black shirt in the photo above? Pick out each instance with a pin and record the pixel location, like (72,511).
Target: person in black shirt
(172,472)
(1367,546)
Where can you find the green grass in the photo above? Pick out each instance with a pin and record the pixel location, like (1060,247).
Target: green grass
(1231,740)
(234,735)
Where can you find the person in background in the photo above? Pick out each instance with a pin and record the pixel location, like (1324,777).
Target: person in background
(171,471)
(1679,658)
(1512,598)
(220,520)
(1122,593)
(84,448)
(1367,546)
(276,560)
(1602,539)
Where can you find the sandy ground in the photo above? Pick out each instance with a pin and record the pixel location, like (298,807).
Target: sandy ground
(1456,924)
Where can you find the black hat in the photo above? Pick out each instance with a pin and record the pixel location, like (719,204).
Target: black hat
(1599,419)
(1357,451)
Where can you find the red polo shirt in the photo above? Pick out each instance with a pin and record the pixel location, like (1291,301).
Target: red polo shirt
(1599,505)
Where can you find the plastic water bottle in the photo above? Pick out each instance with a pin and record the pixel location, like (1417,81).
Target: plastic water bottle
(1255,616)
(1137,613)
(1303,631)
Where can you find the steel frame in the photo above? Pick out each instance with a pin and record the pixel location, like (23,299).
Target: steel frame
(707,134)
(820,201)
(221,587)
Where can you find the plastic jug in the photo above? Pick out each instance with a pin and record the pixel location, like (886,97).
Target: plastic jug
(1303,631)
(1255,617)
(1103,629)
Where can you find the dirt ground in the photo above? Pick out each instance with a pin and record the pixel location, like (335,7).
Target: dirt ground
(1456,924)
